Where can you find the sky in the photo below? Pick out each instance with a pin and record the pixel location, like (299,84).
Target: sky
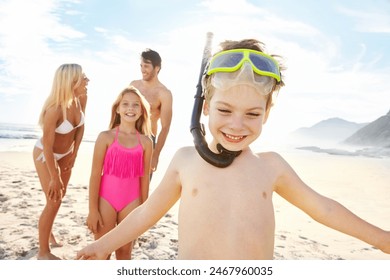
(336,53)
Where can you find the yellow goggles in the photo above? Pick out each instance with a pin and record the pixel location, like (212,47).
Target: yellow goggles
(232,60)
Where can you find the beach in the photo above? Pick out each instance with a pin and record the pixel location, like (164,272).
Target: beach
(362,184)
(22,201)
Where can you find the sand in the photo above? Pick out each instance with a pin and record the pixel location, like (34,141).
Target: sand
(361,184)
(22,201)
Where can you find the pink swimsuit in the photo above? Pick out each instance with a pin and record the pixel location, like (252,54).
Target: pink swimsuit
(122,169)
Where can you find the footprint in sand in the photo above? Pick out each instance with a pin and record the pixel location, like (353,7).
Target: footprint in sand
(3,197)
(74,240)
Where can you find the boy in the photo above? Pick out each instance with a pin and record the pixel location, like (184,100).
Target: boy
(227,213)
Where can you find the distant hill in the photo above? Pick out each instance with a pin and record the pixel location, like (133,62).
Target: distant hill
(376,133)
(330,130)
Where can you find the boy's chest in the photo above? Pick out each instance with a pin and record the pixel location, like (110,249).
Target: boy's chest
(243,184)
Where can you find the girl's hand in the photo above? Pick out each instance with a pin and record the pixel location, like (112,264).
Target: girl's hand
(94,221)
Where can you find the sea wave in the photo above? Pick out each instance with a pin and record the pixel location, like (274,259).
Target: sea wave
(30,131)
(19,131)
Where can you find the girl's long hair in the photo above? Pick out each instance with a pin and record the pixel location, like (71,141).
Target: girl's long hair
(143,124)
(67,77)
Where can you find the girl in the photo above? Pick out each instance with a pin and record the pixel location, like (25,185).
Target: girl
(62,121)
(121,166)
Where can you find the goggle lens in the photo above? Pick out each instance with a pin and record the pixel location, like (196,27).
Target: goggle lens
(230,61)
(263,65)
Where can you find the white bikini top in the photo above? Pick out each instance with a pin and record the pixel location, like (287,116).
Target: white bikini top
(66,126)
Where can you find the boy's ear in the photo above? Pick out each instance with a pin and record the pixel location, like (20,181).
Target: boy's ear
(206,108)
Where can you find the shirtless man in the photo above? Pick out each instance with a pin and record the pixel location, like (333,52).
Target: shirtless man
(159,98)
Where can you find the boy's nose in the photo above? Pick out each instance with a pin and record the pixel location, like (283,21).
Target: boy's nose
(236,123)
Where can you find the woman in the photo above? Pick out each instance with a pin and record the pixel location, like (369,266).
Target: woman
(62,122)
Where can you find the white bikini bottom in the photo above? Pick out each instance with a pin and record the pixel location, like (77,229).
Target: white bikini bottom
(41,156)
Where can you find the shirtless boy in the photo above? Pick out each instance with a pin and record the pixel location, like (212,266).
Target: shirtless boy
(227,213)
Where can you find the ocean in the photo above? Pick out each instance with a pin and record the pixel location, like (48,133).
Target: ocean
(22,137)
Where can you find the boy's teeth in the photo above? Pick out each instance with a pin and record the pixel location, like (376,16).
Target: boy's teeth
(234,137)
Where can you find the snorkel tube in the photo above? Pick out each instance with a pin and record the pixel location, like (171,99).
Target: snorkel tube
(225,157)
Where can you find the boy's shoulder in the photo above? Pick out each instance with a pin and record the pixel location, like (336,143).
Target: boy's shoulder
(187,151)
(270,157)
(274,161)
(182,156)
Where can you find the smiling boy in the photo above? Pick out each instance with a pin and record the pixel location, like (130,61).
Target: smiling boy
(227,213)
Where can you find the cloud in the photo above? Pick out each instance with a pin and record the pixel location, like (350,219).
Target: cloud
(372,19)
(29,33)
(33,43)
(238,7)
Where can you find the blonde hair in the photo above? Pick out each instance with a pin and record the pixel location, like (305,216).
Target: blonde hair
(251,44)
(143,124)
(67,77)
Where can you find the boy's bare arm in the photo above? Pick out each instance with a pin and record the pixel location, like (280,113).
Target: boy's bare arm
(328,211)
(338,217)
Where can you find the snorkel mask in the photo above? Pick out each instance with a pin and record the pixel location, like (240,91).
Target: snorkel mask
(244,66)
(227,69)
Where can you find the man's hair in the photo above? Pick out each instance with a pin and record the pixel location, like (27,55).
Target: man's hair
(152,56)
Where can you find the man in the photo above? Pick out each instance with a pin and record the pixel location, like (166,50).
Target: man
(159,98)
